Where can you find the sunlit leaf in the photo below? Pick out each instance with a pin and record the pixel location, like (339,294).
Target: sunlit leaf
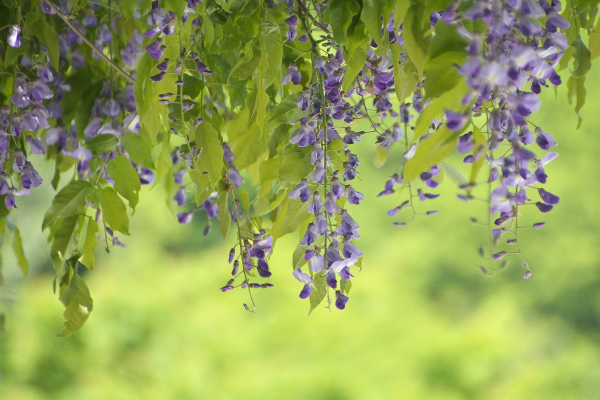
(113,209)
(69,201)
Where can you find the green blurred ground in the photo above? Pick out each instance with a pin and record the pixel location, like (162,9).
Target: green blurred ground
(422,321)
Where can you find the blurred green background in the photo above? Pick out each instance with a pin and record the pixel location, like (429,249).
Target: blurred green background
(422,322)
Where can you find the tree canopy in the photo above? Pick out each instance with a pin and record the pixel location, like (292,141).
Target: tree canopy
(251,111)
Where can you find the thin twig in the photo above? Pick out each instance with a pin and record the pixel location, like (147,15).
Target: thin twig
(108,60)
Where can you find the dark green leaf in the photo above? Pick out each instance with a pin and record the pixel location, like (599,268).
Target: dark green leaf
(339,15)
(69,201)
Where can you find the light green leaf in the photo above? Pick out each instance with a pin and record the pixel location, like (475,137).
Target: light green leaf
(295,166)
(102,143)
(451,100)
(292,216)
(455,175)
(269,169)
(595,42)
(416,43)
(62,238)
(69,201)
(371,15)
(113,209)
(288,104)
(298,257)
(211,158)
(578,94)
(127,181)
(274,50)
(354,65)
(138,150)
(430,152)
(17,246)
(88,258)
(177,6)
(381,156)
(203,186)
(224,214)
(319,291)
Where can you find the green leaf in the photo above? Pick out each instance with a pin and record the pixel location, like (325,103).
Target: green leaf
(269,169)
(581,63)
(128,7)
(446,50)
(202,182)
(295,166)
(138,150)
(595,42)
(371,15)
(405,75)
(319,291)
(127,181)
(451,100)
(455,175)
(430,152)
(416,43)
(75,296)
(113,209)
(62,238)
(224,214)
(274,55)
(381,156)
(177,6)
(17,246)
(46,34)
(102,143)
(211,158)
(354,64)
(298,257)
(577,93)
(288,104)
(292,216)
(88,258)
(339,15)
(69,201)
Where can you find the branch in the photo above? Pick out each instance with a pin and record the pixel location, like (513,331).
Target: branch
(108,60)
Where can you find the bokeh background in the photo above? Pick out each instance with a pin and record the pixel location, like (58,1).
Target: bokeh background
(422,323)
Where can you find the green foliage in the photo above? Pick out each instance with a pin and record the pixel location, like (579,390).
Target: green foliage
(127,182)
(68,202)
